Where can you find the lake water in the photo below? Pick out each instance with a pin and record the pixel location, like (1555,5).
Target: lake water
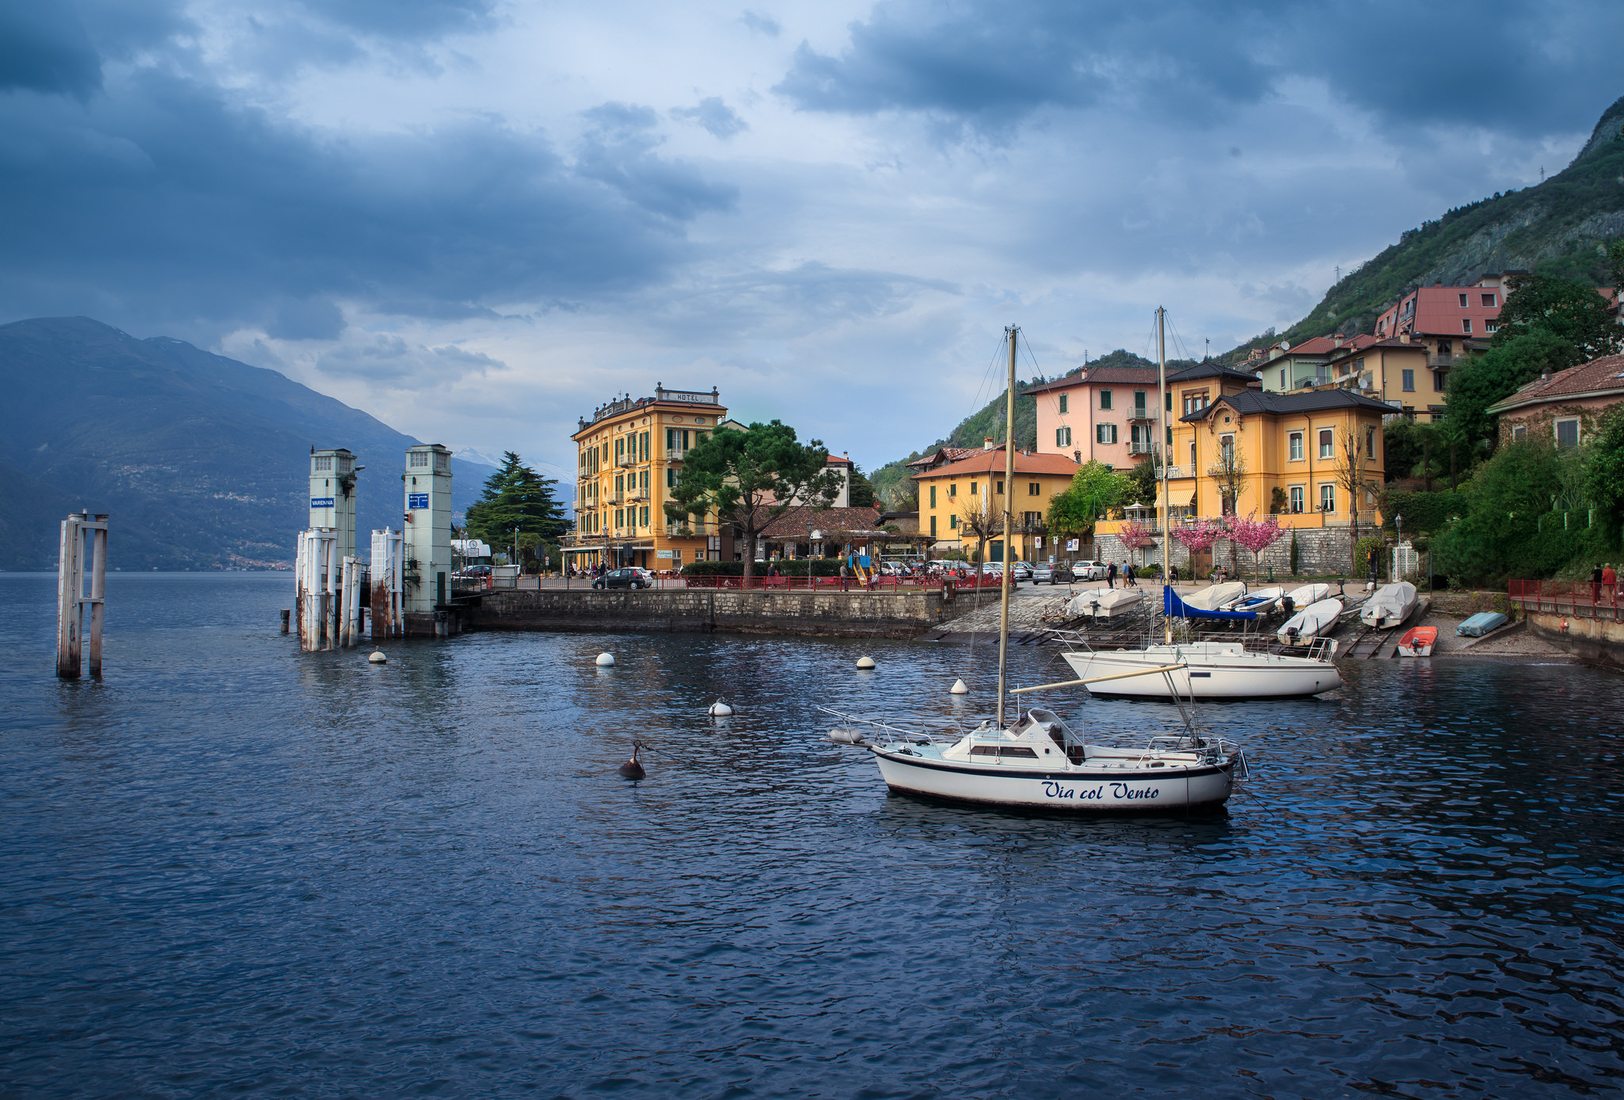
(232,867)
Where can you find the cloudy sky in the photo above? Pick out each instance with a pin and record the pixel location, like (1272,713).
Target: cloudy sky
(479,219)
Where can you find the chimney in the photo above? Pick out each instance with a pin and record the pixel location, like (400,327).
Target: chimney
(1404,337)
(1337,340)
(986,443)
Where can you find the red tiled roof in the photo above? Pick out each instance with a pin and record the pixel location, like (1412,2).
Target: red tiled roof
(984,462)
(1104,376)
(1599,377)
(944,454)
(799,520)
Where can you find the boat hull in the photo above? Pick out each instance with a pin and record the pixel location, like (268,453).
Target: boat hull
(1080,791)
(1229,672)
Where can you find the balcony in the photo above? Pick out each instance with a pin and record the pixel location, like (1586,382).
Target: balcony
(676,454)
(1141,447)
(1140,412)
(690,530)
(626,460)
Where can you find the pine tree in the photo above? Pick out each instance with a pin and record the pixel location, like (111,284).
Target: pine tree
(517,499)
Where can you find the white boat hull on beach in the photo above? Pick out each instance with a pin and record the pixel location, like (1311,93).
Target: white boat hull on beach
(1105,603)
(1212,670)
(1314,621)
(1389,606)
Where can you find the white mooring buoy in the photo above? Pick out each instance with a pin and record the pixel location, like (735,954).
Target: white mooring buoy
(865,663)
(606,660)
(377,657)
(720,709)
(959,688)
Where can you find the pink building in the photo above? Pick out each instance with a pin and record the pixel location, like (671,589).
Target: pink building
(1101,414)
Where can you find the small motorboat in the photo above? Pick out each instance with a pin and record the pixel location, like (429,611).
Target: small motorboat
(1417,641)
(1215,596)
(1484,622)
(1258,600)
(1388,606)
(1104,603)
(1314,621)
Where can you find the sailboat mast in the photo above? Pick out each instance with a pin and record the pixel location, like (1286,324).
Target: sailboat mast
(1161,449)
(1009,493)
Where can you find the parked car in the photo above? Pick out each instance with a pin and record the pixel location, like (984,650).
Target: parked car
(648,574)
(1062,572)
(1021,571)
(472,572)
(629,577)
(1088,570)
(1043,573)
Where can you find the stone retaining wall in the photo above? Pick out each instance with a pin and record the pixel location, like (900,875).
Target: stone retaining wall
(839,614)
(1321,552)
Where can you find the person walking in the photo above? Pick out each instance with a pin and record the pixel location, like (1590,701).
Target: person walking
(1110,575)
(1595,585)
(1609,582)
(1127,572)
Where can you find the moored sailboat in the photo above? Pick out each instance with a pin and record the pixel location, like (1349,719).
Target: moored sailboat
(1037,761)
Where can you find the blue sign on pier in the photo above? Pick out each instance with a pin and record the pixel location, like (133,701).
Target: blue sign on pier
(321,502)
(417,500)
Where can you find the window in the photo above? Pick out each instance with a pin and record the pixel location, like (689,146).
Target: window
(972,488)
(1000,489)
(1463,301)
(643,516)
(933,496)
(1296,497)
(1327,497)
(1327,444)
(322,464)
(1488,300)
(1062,404)
(1567,433)
(1445,347)
(1519,432)
(1139,404)
(1105,399)
(1033,489)
(1282,377)
(1409,380)
(932,526)
(1466,325)
(1226,450)
(1294,447)
(952,523)
(1105,433)
(1192,457)
(952,490)
(1440,380)
(1062,437)
(1370,442)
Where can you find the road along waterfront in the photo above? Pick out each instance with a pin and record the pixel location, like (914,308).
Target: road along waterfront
(235,866)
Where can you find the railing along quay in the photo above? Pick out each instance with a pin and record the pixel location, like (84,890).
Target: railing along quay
(1579,599)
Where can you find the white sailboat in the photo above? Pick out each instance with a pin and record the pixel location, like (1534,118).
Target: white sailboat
(1037,761)
(1211,670)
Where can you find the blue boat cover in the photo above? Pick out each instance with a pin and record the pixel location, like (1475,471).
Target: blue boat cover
(1175,608)
(1480,624)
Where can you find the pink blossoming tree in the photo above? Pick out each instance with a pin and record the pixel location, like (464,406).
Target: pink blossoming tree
(1199,535)
(1136,536)
(1256,535)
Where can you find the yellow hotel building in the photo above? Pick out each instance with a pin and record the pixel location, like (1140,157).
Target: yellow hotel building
(628,456)
(954,493)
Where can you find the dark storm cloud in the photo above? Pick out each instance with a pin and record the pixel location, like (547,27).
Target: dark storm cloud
(404,18)
(714,116)
(1525,66)
(180,204)
(618,151)
(44,48)
(393,360)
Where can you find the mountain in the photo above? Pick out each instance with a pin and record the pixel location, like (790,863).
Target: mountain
(1560,226)
(201,462)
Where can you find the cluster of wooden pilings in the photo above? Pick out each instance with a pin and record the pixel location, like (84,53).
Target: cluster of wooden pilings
(328,592)
(81,582)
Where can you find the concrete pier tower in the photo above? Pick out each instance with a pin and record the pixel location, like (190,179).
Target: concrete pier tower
(427,483)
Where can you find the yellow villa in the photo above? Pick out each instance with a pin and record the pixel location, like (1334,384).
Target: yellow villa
(966,494)
(628,456)
(1235,448)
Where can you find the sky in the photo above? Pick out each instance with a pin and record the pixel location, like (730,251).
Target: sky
(478,220)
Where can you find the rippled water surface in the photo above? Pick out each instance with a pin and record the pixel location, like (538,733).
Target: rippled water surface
(235,868)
